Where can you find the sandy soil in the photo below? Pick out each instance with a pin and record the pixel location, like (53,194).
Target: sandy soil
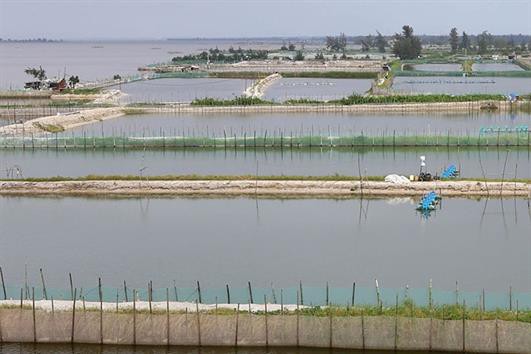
(67,305)
(263,188)
(442,107)
(258,88)
(42,125)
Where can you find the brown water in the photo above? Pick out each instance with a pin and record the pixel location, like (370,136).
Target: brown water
(12,348)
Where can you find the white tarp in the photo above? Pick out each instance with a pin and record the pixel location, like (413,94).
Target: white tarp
(397,179)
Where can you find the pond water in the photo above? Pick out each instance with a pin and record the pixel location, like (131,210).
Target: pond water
(298,123)
(496,67)
(480,243)
(462,85)
(438,67)
(10,348)
(296,162)
(183,90)
(316,89)
(335,124)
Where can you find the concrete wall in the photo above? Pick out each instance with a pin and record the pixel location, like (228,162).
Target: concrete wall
(384,333)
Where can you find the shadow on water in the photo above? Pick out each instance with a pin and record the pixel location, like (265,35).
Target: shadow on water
(20,348)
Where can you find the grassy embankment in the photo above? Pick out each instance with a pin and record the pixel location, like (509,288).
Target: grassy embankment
(355,100)
(406,308)
(309,74)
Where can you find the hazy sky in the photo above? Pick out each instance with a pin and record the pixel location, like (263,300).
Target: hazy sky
(114,19)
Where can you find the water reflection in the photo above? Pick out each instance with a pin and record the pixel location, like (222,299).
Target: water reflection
(13,348)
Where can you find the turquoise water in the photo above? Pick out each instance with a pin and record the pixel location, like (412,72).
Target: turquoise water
(273,243)
(305,162)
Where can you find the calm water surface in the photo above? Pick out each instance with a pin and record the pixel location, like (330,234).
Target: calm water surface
(438,67)
(303,162)
(306,124)
(496,67)
(317,89)
(183,90)
(480,243)
(462,85)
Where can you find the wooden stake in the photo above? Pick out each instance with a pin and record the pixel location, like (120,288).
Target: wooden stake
(198,324)
(353,302)
(327,295)
(250,293)
(101,310)
(168,317)
(237,324)
(3,283)
(396,322)
(73,315)
(134,316)
(43,285)
(266,327)
(199,293)
(301,295)
(298,320)
(72,295)
(149,297)
(125,292)
(464,326)
(34,319)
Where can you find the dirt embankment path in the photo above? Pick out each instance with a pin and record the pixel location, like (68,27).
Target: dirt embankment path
(399,108)
(60,123)
(274,188)
(258,88)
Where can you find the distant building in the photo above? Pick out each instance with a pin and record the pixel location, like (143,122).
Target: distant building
(48,84)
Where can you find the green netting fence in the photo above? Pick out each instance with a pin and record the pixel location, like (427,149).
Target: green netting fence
(66,141)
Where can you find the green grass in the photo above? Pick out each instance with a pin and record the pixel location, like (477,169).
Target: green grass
(354,99)
(428,98)
(238,101)
(239,75)
(405,308)
(332,74)
(302,101)
(81,91)
(50,128)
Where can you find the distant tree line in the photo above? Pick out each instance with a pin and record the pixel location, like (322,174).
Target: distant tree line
(215,55)
(484,42)
(336,43)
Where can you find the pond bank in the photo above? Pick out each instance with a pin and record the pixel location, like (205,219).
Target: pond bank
(448,107)
(272,188)
(59,123)
(234,329)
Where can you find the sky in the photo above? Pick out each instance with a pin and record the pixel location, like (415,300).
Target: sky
(160,19)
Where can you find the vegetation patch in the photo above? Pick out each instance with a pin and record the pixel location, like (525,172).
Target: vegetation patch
(333,74)
(238,101)
(81,91)
(50,128)
(432,98)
